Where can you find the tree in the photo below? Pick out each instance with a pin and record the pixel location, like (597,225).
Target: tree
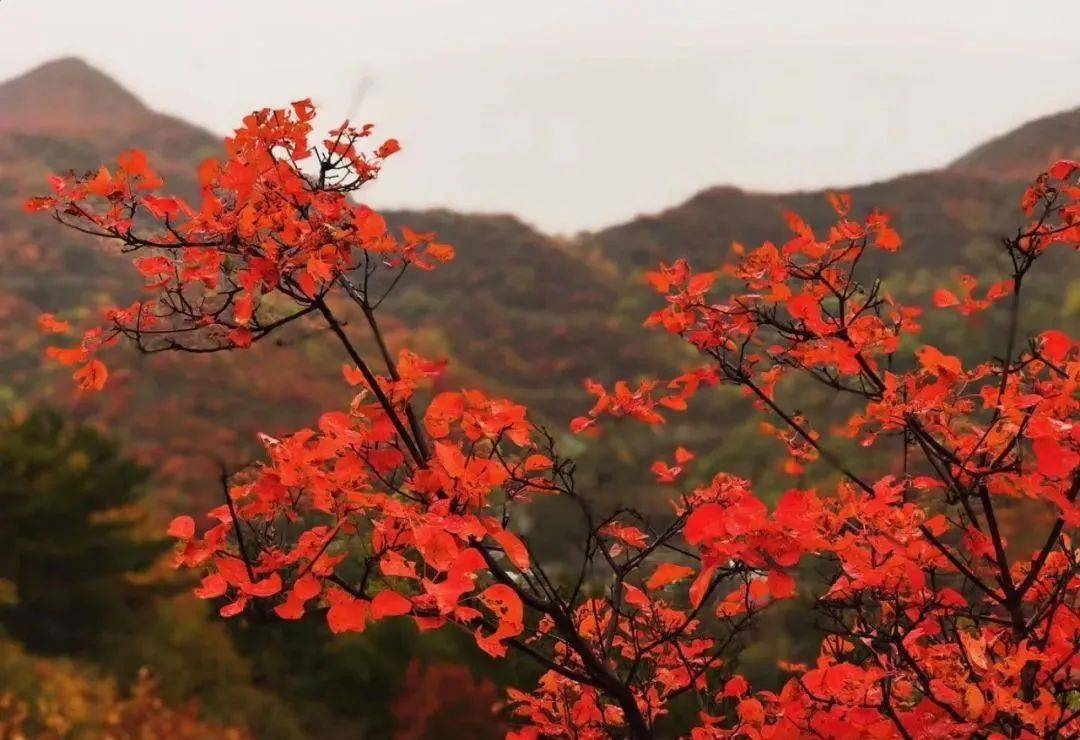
(398,507)
(70,535)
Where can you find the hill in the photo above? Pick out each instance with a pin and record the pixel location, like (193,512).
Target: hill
(1016,154)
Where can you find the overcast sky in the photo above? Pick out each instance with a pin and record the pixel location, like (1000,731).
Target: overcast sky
(576,115)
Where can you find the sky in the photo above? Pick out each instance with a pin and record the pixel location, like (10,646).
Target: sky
(579,115)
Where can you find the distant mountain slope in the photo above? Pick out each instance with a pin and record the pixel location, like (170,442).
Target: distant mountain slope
(937,212)
(1018,153)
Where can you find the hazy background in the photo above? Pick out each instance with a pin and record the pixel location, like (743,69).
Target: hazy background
(576,115)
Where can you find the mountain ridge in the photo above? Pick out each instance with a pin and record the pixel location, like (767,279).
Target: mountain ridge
(1016,153)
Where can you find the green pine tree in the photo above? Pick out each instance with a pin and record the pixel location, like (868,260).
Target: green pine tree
(68,525)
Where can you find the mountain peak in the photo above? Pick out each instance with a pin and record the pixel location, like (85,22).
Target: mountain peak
(66,95)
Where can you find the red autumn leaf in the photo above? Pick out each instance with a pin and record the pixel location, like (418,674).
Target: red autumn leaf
(781,585)
(352,375)
(735,687)
(700,586)
(390,146)
(1056,345)
(664,473)
(437,546)
(211,587)
(393,564)
(209,171)
(934,361)
(240,337)
(182,527)
(347,616)
(751,711)
(266,587)
(887,239)
(234,608)
(290,609)
(92,375)
(706,521)
(162,207)
(307,587)
(1062,169)
(134,162)
(945,299)
(49,324)
(389,604)
(840,202)
(509,611)
(1053,459)
(513,547)
(666,574)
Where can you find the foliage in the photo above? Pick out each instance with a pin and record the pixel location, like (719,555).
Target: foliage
(72,545)
(444,700)
(81,573)
(938,626)
(50,698)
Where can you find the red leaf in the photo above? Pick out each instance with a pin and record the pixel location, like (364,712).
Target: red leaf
(736,686)
(701,585)
(347,616)
(307,587)
(211,587)
(1053,459)
(945,298)
(841,203)
(683,455)
(707,521)
(389,604)
(1063,168)
(291,609)
(92,375)
(390,146)
(231,610)
(888,239)
(266,587)
(49,324)
(781,585)
(507,606)
(182,527)
(513,547)
(666,574)
(1056,345)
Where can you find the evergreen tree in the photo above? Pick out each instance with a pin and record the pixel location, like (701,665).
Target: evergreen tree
(69,532)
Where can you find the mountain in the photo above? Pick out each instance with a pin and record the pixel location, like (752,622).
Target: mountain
(1015,155)
(68,96)
(518,312)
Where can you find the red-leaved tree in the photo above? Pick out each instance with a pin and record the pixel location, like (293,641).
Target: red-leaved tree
(394,508)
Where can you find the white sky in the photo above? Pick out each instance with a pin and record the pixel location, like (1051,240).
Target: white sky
(577,115)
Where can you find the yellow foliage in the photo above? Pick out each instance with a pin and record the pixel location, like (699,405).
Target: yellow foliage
(57,698)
